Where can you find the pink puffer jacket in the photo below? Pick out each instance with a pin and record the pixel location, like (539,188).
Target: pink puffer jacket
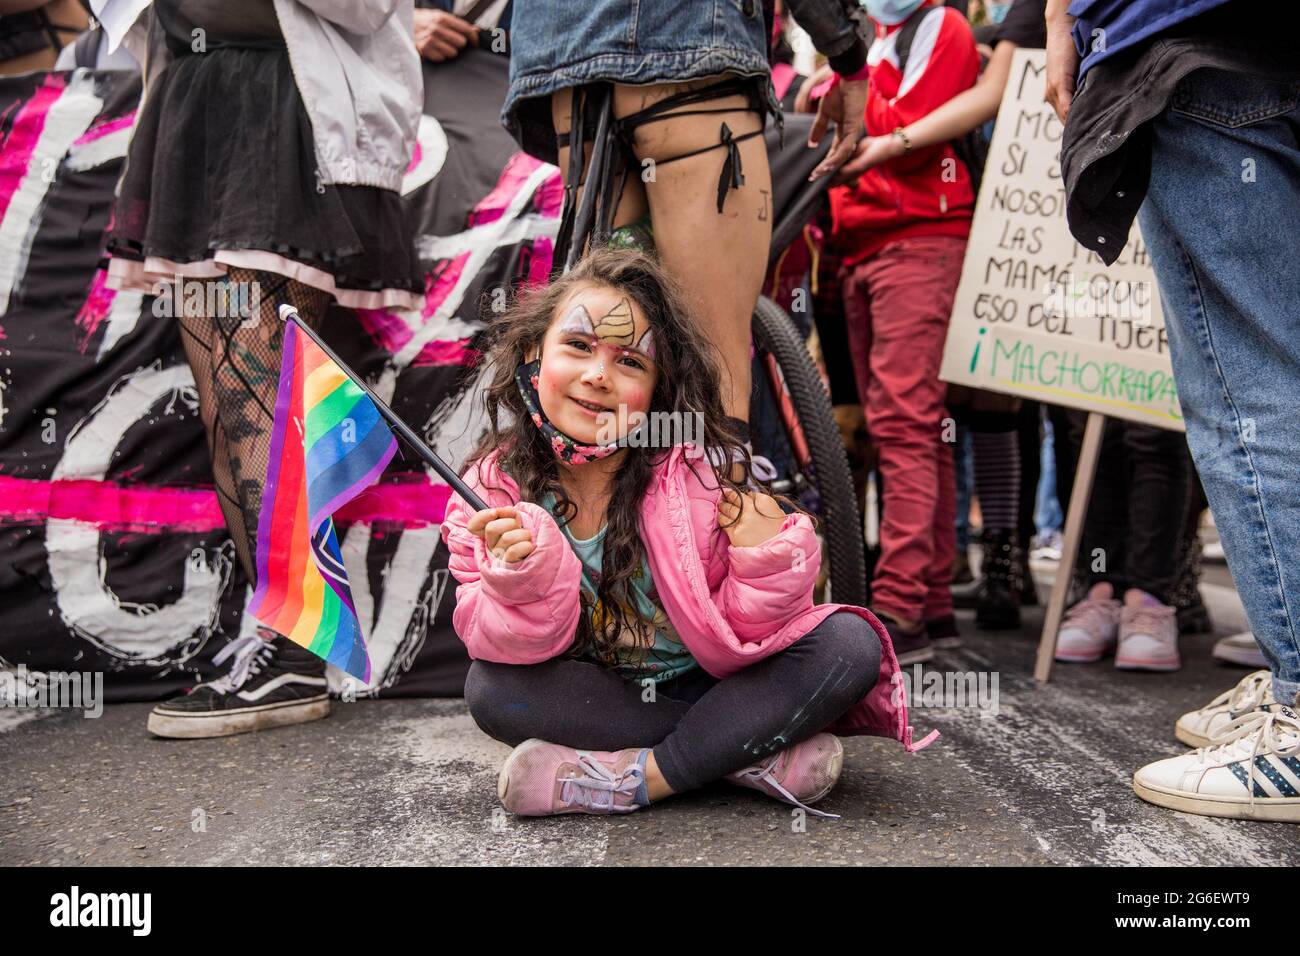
(732,606)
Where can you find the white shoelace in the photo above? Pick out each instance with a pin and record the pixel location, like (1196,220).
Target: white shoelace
(763,771)
(1271,731)
(250,653)
(598,789)
(1250,692)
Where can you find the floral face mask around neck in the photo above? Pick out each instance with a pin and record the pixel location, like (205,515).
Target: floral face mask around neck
(567,448)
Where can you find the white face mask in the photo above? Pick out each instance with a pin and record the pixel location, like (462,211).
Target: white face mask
(890,12)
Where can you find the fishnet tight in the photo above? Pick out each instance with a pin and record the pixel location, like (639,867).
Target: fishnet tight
(236,365)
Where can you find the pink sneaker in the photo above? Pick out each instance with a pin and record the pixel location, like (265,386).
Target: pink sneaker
(1148,635)
(1090,628)
(799,775)
(540,779)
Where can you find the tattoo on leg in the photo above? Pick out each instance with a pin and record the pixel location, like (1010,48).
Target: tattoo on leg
(762,211)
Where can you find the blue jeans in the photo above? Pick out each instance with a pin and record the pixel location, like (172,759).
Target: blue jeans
(1222,220)
(557,44)
(963,460)
(1047,509)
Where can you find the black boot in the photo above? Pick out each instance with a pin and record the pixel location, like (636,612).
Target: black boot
(997,606)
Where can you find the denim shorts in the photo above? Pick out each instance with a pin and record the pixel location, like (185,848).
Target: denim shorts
(558,44)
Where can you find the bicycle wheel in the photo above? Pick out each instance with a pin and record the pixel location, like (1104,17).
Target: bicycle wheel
(816,448)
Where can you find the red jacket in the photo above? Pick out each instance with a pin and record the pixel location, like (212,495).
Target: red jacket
(927,192)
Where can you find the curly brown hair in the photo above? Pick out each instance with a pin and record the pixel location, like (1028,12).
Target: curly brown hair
(689,383)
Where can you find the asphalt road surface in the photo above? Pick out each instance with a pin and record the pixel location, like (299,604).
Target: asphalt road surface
(1043,778)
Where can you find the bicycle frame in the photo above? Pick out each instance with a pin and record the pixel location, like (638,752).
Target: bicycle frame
(789,418)
(593,218)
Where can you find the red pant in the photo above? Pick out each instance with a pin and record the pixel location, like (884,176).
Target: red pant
(896,305)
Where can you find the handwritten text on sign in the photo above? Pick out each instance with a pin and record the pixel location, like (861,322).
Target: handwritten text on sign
(1036,314)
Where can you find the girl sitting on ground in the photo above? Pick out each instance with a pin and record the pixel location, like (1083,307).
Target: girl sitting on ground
(639,623)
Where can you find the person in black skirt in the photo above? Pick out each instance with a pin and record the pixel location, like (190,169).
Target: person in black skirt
(266,163)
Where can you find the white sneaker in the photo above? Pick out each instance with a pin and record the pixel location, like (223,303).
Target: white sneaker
(1253,692)
(1090,628)
(1252,772)
(1240,649)
(1047,547)
(1148,636)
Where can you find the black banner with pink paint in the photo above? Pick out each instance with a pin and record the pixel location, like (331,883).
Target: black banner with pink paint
(113,552)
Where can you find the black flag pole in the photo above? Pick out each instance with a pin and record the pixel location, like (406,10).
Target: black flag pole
(289,314)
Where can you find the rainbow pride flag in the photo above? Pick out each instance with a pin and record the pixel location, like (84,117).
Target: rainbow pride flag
(328,444)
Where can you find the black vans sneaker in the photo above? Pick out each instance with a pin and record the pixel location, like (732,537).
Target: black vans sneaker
(270,684)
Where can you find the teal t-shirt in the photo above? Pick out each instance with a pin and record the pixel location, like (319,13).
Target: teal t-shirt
(657,652)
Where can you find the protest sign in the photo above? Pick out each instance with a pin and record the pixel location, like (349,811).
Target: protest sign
(1036,314)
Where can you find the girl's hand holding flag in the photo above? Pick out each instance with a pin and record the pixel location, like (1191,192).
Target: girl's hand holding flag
(502,534)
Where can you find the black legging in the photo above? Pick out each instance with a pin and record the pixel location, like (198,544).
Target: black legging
(1138,508)
(700,728)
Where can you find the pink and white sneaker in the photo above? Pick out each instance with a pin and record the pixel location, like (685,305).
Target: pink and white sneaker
(1148,635)
(540,779)
(1090,628)
(799,775)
